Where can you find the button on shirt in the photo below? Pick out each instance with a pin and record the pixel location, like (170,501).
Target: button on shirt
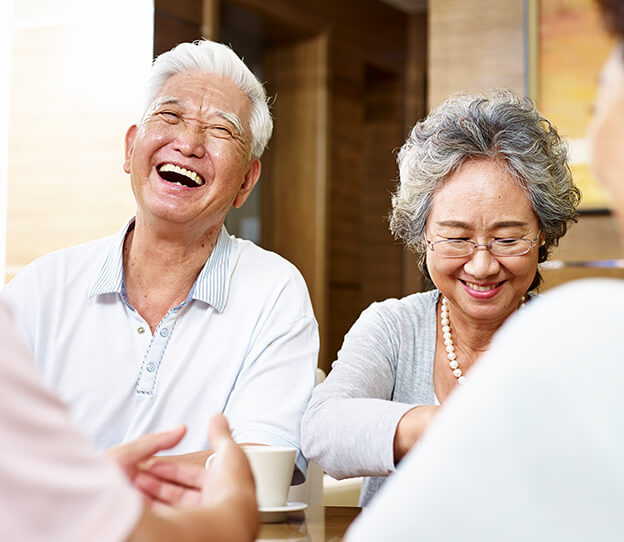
(244,343)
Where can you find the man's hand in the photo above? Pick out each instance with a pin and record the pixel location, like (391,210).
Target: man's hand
(410,428)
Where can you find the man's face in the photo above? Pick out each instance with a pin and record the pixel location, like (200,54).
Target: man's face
(189,159)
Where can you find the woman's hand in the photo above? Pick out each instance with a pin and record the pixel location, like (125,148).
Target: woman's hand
(216,504)
(184,484)
(131,455)
(411,427)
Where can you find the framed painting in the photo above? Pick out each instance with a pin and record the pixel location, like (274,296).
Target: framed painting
(567,48)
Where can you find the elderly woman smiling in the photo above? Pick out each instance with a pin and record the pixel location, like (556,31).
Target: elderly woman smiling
(485,192)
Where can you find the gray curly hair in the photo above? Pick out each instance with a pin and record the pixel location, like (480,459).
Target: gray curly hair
(501,126)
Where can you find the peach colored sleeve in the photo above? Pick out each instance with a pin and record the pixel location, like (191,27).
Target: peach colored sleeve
(53,483)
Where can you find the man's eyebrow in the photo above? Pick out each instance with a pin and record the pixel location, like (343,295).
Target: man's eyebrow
(233,119)
(165,100)
(228,116)
(162,100)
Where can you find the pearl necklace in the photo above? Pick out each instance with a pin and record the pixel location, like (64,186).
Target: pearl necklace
(448,340)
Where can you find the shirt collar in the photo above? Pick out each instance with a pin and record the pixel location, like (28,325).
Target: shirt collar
(211,286)
(110,276)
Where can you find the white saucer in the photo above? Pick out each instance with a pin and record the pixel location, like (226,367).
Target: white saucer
(275,514)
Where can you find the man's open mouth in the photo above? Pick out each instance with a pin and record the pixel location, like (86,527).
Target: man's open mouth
(181,176)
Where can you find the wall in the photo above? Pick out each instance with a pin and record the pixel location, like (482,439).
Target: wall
(74,92)
(474,46)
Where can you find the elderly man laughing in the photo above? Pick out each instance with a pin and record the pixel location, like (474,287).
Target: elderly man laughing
(172,319)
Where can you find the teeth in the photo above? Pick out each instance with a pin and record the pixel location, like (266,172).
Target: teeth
(479,288)
(182,171)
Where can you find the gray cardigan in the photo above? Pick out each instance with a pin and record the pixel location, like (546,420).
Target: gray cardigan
(384,368)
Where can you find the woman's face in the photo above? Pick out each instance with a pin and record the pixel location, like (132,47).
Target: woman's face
(481,202)
(606,132)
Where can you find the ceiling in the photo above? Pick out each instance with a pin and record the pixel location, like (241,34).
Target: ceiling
(408,6)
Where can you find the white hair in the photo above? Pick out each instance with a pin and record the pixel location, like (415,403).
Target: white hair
(219,60)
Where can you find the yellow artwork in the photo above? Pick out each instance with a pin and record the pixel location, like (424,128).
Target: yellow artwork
(572,46)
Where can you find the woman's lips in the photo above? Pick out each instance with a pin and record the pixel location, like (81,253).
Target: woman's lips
(482,287)
(482,290)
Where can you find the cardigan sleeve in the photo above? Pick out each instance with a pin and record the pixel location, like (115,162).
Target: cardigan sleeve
(349,425)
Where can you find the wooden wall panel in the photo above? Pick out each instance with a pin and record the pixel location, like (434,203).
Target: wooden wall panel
(372,28)
(556,277)
(475,46)
(177,21)
(346,163)
(367,111)
(346,238)
(382,256)
(416,70)
(415,110)
(345,310)
(294,195)
(594,237)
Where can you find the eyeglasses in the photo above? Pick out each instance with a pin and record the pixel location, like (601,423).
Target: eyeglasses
(460,248)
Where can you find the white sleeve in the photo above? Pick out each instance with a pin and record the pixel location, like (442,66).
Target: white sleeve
(276,381)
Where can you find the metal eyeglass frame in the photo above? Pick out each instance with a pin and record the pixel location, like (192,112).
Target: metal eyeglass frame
(488,246)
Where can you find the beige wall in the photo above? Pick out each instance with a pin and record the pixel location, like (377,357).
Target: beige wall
(75,87)
(475,46)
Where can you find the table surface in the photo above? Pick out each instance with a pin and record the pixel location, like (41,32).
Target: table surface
(314,524)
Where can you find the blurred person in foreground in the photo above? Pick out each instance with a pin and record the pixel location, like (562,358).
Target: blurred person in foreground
(55,486)
(531,448)
(485,192)
(172,319)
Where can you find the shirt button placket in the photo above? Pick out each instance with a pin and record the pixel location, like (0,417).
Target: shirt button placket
(154,355)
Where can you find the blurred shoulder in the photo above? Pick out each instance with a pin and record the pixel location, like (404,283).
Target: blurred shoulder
(574,298)
(568,318)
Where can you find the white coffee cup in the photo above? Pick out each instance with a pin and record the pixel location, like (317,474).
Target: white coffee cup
(272,467)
